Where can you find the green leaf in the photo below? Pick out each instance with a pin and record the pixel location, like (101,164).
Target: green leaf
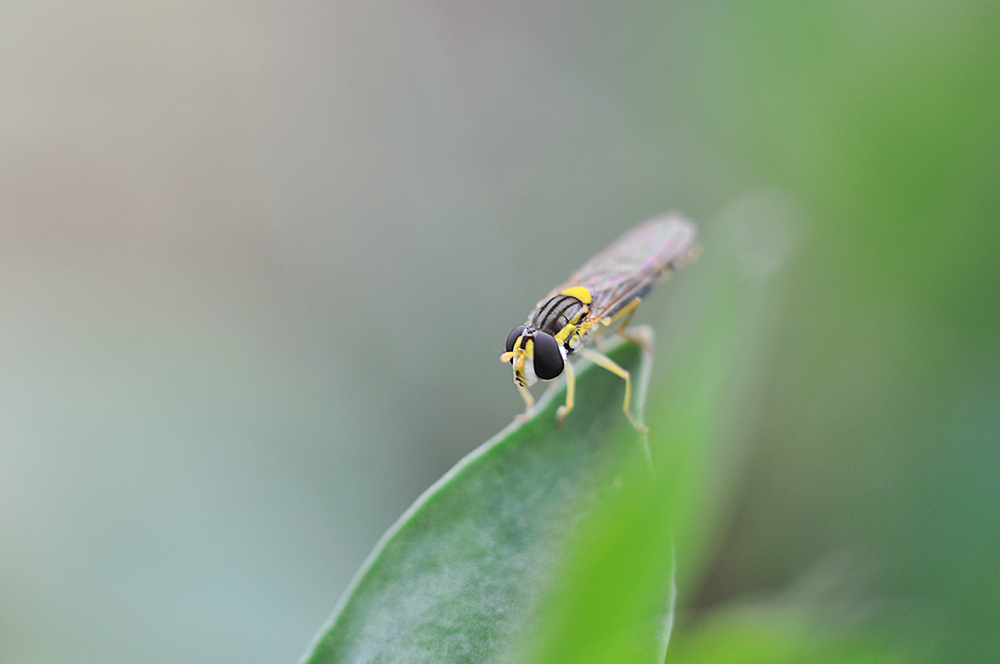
(784,631)
(496,559)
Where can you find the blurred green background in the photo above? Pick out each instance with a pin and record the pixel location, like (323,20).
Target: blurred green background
(258,260)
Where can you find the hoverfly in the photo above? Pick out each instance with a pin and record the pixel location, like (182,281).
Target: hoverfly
(605,291)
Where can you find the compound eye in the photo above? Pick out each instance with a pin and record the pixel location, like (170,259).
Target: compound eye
(547,356)
(512,337)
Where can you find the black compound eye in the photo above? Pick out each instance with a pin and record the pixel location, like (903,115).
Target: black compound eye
(548,358)
(512,337)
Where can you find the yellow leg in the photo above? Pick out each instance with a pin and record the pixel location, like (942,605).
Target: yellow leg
(606,362)
(570,391)
(529,401)
(625,316)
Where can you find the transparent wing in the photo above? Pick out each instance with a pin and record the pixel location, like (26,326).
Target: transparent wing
(634,263)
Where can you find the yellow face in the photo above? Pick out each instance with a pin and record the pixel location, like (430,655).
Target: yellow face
(533,354)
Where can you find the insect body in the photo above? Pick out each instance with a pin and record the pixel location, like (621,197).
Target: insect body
(605,291)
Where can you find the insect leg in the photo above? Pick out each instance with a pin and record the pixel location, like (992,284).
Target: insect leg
(635,336)
(606,362)
(529,401)
(570,392)
(626,315)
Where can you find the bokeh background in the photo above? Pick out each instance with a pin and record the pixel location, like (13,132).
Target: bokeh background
(257,262)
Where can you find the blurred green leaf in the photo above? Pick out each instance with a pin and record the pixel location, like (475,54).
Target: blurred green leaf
(711,355)
(830,615)
(468,572)
(880,425)
(788,632)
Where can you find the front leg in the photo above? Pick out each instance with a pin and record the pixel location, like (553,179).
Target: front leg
(570,392)
(529,402)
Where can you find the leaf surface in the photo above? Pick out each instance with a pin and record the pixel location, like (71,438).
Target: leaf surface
(468,571)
